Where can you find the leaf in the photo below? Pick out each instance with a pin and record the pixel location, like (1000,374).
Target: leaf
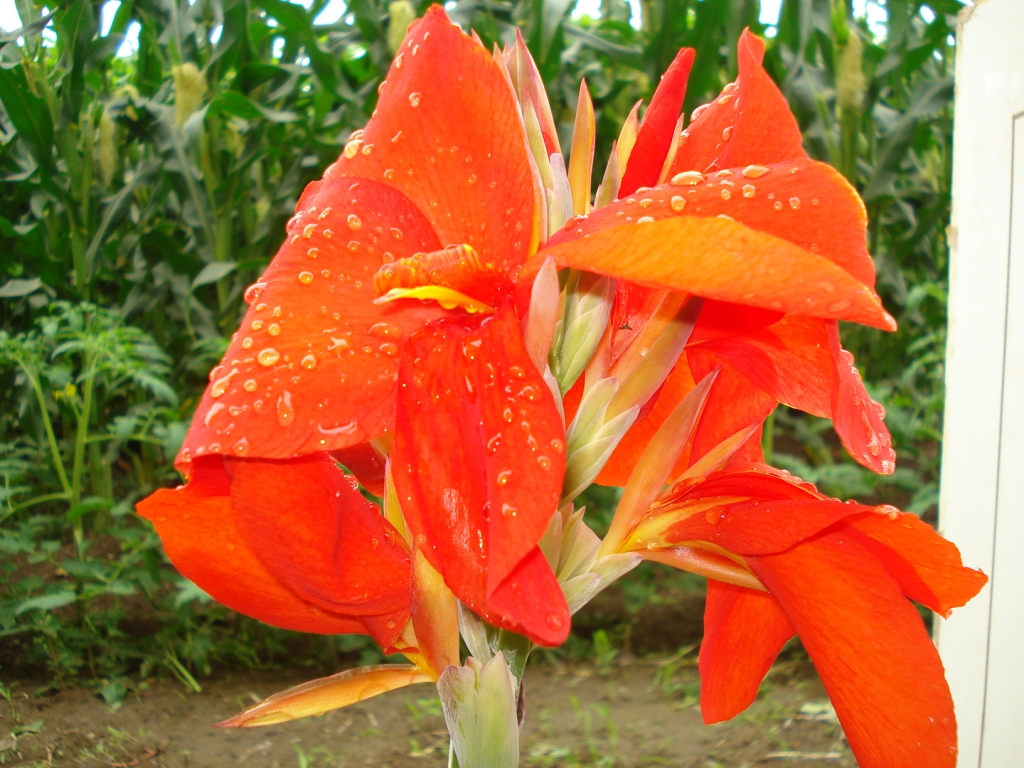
(29,29)
(46,602)
(213,272)
(29,114)
(15,288)
(238,105)
(117,208)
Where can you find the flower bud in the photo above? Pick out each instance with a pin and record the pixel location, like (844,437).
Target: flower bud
(189,91)
(850,83)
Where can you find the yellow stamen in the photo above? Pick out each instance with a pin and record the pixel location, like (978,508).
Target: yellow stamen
(446,297)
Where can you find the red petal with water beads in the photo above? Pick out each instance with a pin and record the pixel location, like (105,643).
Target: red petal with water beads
(314,364)
(926,566)
(871,649)
(756,255)
(858,420)
(803,202)
(655,134)
(479,456)
(197,526)
(744,630)
(749,123)
(448,135)
(338,552)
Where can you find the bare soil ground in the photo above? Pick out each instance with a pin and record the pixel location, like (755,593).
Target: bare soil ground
(637,712)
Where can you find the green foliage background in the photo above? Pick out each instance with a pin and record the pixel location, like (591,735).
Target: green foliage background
(140,195)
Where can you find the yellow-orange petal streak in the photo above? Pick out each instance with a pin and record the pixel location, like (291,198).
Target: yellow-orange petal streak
(327,693)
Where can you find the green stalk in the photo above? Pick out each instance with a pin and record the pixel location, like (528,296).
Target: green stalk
(768,438)
(51,438)
(79,457)
(517,650)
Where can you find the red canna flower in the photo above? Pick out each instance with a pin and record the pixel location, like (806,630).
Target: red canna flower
(733,210)
(782,559)
(387,316)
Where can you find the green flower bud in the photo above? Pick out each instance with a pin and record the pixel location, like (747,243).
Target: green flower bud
(189,91)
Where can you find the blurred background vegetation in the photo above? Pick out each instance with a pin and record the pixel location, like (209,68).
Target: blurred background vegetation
(151,152)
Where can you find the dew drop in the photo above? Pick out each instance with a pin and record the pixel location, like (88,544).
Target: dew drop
(509,510)
(646,202)
(687,179)
(247,342)
(398,60)
(503,478)
(471,179)
(367,149)
(508,415)
(493,443)
(389,348)
(385,331)
(777,206)
(645,220)
(354,222)
(274,329)
(545,462)
(677,203)
(726,194)
(220,386)
(353,246)
(415,98)
(313,253)
(268,356)
(726,133)
(285,411)
(212,413)
(749,190)
(352,148)
(241,447)
(305,278)
(249,385)
(755,171)
(308,362)
(794,203)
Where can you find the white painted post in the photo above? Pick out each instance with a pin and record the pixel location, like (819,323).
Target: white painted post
(982,500)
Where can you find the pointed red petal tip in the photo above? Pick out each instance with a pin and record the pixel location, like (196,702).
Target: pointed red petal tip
(655,135)
(479,456)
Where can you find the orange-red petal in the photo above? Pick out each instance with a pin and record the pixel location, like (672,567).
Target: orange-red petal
(870,647)
(715,257)
(926,566)
(744,630)
(479,456)
(804,202)
(200,537)
(655,134)
(858,420)
(749,122)
(363,462)
(448,135)
(316,533)
(314,364)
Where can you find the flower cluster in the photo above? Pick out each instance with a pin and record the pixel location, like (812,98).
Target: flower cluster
(455,327)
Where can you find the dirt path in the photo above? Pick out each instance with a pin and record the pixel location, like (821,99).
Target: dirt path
(639,713)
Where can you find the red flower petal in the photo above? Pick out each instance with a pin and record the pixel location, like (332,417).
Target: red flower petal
(761,527)
(790,360)
(199,534)
(804,202)
(858,420)
(926,566)
(744,630)
(314,364)
(363,462)
(479,457)
(655,135)
(447,133)
(763,257)
(870,647)
(749,123)
(339,552)
(734,403)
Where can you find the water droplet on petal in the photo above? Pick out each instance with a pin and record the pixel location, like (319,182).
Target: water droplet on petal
(274,329)
(285,411)
(305,278)
(249,385)
(554,621)
(268,356)
(677,203)
(415,98)
(755,171)
(241,447)
(253,292)
(749,190)
(354,222)
(794,203)
(687,179)
(308,362)
(726,194)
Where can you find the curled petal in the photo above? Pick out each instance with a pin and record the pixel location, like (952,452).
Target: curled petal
(201,538)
